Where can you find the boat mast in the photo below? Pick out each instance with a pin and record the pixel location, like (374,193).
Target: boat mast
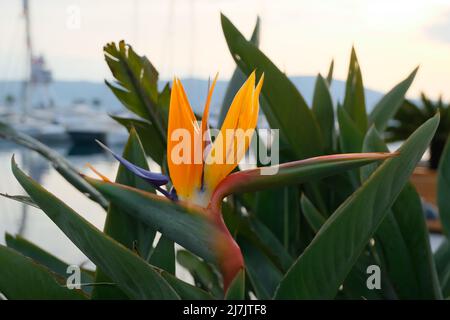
(28,63)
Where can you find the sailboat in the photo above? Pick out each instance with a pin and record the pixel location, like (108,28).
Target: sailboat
(36,116)
(40,118)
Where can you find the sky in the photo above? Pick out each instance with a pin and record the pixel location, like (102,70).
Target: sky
(184,37)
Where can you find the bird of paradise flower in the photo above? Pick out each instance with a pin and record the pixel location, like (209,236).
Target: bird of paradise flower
(202,182)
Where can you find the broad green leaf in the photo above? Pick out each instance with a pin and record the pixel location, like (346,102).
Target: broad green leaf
(387,107)
(203,274)
(443,186)
(410,218)
(354,100)
(257,234)
(163,256)
(185,290)
(64,167)
(119,225)
(236,291)
(262,273)
(404,239)
(132,274)
(350,139)
(354,286)
(350,136)
(282,97)
(321,269)
(285,223)
(236,81)
(46,259)
(22,278)
(189,227)
(442,258)
(154,147)
(314,217)
(322,107)
(136,83)
(372,143)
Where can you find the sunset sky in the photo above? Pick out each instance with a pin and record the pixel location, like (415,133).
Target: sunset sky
(184,37)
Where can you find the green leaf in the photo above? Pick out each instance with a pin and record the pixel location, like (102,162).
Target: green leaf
(404,240)
(330,73)
(257,234)
(64,167)
(285,224)
(119,225)
(410,218)
(236,291)
(323,110)
(46,259)
(188,227)
(312,215)
(22,278)
(354,100)
(132,274)
(185,290)
(282,97)
(164,255)
(262,273)
(388,106)
(372,143)
(236,81)
(355,284)
(321,269)
(147,133)
(350,136)
(442,258)
(20,198)
(203,274)
(136,83)
(443,186)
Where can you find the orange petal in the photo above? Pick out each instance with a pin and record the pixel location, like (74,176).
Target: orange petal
(104,178)
(229,150)
(206,113)
(184,172)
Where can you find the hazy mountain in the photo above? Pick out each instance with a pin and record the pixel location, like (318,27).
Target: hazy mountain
(66,93)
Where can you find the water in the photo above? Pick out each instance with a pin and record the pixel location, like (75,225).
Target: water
(33,224)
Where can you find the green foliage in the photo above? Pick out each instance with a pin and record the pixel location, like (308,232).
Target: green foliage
(412,115)
(308,231)
(23,278)
(322,268)
(119,226)
(236,291)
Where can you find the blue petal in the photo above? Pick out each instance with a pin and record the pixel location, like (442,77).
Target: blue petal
(173,194)
(155,179)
